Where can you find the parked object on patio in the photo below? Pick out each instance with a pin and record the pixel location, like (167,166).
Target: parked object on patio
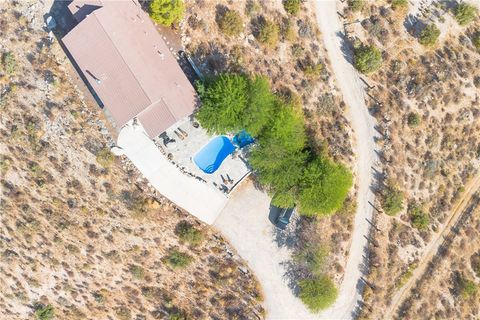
(283,218)
(242,139)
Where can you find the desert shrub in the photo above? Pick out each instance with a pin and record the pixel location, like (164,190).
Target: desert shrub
(476,40)
(188,233)
(313,70)
(123,313)
(356,5)
(429,35)
(313,257)
(465,13)
(367,59)
(392,200)
(224,98)
(292,6)
(317,293)
(231,23)
(288,31)
(413,119)
(418,217)
(44,312)
(177,259)
(105,157)
(324,187)
(466,287)
(137,272)
(268,34)
(166,12)
(399,4)
(9,63)
(475,263)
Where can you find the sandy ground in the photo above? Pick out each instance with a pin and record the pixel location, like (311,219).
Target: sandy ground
(246,225)
(363,125)
(196,197)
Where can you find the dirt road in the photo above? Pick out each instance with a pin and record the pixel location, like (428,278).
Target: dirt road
(362,123)
(433,246)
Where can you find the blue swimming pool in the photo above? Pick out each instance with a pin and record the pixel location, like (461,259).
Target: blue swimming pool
(212,155)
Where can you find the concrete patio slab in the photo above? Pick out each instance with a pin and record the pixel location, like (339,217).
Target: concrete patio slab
(196,197)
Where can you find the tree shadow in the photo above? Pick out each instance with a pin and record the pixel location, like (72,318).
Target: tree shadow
(346,47)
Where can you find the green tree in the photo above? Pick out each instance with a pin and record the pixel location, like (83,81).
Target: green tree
(260,107)
(224,99)
(429,35)
(324,187)
(465,13)
(356,5)
(392,201)
(166,12)
(317,293)
(44,312)
(292,6)
(367,59)
(399,4)
(268,34)
(231,23)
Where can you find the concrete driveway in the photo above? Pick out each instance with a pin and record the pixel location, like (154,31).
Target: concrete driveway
(245,223)
(194,196)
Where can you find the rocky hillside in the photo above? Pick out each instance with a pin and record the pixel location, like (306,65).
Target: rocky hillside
(82,236)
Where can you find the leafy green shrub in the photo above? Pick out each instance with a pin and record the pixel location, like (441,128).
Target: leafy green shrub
(188,233)
(105,157)
(268,34)
(224,98)
(467,288)
(318,293)
(292,6)
(324,187)
(392,201)
(231,23)
(137,272)
(177,259)
(367,59)
(420,219)
(399,4)
(429,35)
(356,5)
(413,119)
(476,40)
(166,12)
(9,63)
(465,13)
(44,312)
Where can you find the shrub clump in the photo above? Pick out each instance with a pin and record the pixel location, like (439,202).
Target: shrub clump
(356,5)
(137,272)
(105,157)
(166,12)
(292,6)
(44,312)
(318,293)
(367,59)
(392,201)
(268,34)
(418,217)
(9,63)
(476,40)
(177,259)
(465,13)
(429,35)
(399,4)
(188,233)
(413,119)
(231,23)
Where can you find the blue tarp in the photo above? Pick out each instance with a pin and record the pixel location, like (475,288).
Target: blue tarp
(212,155)
(242,139)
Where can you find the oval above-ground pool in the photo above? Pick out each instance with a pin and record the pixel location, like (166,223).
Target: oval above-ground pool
(211,156)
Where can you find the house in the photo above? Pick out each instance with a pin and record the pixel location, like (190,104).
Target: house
(128,64)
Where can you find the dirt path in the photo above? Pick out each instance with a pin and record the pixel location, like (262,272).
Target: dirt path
(434,245)
(363,123)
